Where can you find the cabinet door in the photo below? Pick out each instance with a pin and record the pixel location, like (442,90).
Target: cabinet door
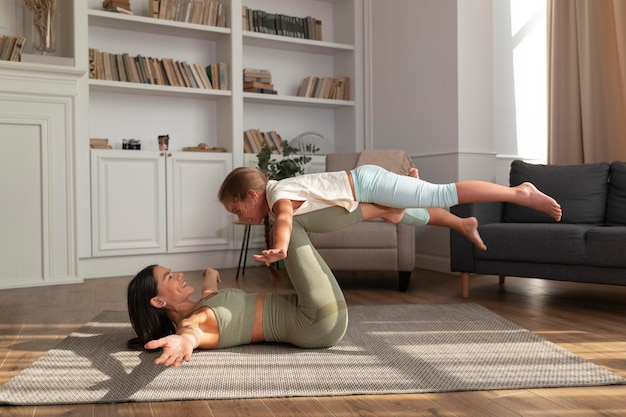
(196,220)
(128,202)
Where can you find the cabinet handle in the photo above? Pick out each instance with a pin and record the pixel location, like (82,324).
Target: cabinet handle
(161,153)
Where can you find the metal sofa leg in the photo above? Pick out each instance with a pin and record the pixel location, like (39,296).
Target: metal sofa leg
(465,284)
(403,280)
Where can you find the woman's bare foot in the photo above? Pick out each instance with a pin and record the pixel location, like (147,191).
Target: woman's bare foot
(531,197)
(469,229)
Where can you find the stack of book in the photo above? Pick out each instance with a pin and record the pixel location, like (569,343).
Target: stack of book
(11,47)
(280,24)
(258,81)
(117,6)
(148,70)
(254,140)
(98,143)
(325,87)
(200,12)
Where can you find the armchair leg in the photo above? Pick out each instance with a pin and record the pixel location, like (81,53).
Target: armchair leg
(465,284)
(403,280)
(501,279)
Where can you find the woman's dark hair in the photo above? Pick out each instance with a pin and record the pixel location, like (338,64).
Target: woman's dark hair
(149,323)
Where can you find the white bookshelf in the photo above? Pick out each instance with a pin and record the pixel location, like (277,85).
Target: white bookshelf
(118,110)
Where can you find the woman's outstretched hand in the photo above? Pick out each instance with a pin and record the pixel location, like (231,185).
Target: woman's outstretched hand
(176,349)
(270,255)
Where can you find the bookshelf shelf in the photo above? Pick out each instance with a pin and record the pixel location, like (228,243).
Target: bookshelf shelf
(156,90)
(294,44)
(117,21)
(296,101)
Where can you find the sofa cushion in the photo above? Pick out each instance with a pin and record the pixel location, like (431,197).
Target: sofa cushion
(580,189)
(616,202)
(605,246)
(534,242)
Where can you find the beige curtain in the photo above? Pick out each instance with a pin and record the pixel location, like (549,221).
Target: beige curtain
(586,81)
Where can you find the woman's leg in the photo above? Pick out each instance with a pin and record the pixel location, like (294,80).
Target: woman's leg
(316,316)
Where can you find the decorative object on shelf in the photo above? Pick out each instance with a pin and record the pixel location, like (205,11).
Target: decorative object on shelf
(164,142)
(117,6)
(131,144)
(312,140)
(99,143)
(43,22)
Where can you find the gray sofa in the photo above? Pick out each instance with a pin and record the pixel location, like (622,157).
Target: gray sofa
(368,246)
(588,245)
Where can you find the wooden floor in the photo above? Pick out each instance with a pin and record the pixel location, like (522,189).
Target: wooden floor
(589,320)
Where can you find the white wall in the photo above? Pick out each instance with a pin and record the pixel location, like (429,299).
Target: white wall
(443,87)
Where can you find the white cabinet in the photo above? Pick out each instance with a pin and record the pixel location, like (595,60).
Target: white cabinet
(157,202)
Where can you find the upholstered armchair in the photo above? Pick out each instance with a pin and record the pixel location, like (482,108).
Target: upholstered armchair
(373,245)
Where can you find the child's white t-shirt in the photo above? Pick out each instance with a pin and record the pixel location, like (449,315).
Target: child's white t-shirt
(317,191)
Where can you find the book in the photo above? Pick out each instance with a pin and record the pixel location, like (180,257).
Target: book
(153,9)
(260,90)
(7,48)
(256,84)
(259,75)
(18,45)
(306,86)
(117,9)
(114,3)
(223,74)
(202,73)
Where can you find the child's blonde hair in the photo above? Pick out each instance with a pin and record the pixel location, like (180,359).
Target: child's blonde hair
(239,181)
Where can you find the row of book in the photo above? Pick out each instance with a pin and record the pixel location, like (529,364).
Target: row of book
(280,24)
(325,87)
(11,47)
(201,12)
(254,140)
(148,70)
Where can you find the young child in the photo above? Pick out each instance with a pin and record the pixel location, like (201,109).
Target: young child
(247,193)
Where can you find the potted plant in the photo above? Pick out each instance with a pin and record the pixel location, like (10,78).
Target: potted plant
(291,164)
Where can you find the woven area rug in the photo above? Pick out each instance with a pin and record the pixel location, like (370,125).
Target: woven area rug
(387,349)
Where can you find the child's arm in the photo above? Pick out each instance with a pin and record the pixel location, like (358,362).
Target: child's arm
(281,233)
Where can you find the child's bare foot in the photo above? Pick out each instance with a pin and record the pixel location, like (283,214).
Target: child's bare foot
(413,172)
(469,229)
(533,198)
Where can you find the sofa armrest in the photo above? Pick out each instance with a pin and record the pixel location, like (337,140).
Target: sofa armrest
(461,249)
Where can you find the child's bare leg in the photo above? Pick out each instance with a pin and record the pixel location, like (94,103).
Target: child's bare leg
(467,226)
(375,211)
(525,194)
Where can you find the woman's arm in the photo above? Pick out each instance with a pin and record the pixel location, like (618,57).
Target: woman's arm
(281,232)
(197,331)
(211,279)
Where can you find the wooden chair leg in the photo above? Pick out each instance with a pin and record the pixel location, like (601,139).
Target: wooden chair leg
(501,279)
(465,284)
(403,280)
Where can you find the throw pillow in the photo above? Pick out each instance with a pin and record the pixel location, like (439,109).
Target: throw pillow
(580,189)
